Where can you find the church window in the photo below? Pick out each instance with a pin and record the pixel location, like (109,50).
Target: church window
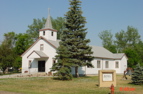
(98,64)
(30,65)
(43,33)
(116,64)
(106,64)
(41,47)
(52,33)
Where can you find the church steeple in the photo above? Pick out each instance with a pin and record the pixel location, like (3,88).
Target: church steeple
(48,32)
(48,21)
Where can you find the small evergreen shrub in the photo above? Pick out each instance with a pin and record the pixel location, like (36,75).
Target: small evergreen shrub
(137,76)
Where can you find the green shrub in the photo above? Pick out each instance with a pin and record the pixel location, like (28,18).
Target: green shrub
(137,76)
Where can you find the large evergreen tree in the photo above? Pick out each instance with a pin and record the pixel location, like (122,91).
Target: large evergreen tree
(76,51)
(62,66)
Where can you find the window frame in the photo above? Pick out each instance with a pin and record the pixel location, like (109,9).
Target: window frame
(43,33)
(106,64)
(116,64)
(98,64)
(30,64)
(52,33)
(41,47)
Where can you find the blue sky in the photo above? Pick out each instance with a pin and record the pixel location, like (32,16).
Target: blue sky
(114,15)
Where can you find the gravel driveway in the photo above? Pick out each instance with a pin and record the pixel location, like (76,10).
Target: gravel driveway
(5,92)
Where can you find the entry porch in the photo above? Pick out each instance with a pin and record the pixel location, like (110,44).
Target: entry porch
(37,62)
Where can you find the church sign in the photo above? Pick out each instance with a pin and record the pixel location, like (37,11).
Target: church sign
(107,78)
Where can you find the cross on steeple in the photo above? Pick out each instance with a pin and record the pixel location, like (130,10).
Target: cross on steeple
(48,11)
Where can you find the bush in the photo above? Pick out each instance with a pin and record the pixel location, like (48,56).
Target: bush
(137,76)
(1,73)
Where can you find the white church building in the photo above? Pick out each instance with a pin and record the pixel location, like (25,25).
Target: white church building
(40,56)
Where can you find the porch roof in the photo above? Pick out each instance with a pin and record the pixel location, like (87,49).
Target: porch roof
(37,54)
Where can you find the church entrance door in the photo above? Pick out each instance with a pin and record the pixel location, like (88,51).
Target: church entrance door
(41,66)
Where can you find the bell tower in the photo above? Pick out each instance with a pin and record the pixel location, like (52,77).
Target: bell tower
(48,32)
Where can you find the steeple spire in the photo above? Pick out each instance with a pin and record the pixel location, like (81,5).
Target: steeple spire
(48,32)
(48,24)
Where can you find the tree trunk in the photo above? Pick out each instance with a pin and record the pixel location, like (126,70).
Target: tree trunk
(3,69)
(76,72)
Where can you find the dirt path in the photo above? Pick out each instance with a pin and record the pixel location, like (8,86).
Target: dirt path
(5,92)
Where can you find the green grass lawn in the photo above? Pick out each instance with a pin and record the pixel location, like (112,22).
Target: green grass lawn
(46,85)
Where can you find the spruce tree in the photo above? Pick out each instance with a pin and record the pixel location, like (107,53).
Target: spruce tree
(62,67)
(76,52)
(137,76)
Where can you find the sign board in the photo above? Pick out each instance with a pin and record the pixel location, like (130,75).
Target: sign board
(107,77)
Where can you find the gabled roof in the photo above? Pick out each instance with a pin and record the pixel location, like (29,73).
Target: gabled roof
(101,52)
(54,44)
(98,52)
(118,55)
(39,53)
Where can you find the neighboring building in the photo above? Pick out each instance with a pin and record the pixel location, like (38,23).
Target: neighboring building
(41,55)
